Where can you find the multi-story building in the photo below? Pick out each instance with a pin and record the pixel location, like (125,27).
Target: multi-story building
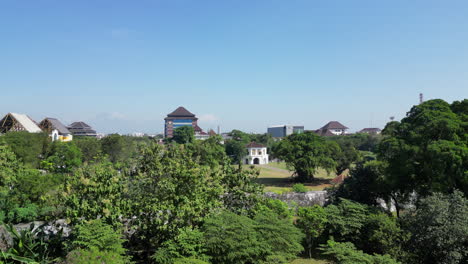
(82,129)
(180,117)
(284,130)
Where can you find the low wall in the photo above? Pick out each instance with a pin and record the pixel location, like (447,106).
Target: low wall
(301,199)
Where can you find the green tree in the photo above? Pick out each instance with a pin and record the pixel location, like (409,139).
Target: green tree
(346,253)
(427,151)
(236,150)
(184,135)
(208,152)
(189,243)
(90,147)
(306,152)
(312,221)
(28,147)
(96,191)
(169,192)
(96,242)
(242,191)
(232,239)
(62,157)
(439,229)
(285,239)
(365,185)
(115,147)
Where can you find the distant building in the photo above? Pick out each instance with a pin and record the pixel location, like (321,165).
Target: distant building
(180,117)
(56,130)
(18,122)
(82,129)
(284,130)
(371,130)
(332,128)
(257,154)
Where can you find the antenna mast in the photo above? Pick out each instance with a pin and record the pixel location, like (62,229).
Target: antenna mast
(421,98)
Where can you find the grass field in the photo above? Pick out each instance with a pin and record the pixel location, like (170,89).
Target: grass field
(277,178)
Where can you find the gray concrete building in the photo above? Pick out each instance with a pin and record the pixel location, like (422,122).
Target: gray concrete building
(284,130)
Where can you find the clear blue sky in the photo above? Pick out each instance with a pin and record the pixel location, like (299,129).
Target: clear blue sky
(123,65)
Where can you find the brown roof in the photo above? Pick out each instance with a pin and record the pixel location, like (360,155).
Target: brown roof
(255,145)
(181,112)
(333,125)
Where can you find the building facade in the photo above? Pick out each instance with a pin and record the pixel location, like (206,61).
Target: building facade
(257,154)
(284,130)
(178,118)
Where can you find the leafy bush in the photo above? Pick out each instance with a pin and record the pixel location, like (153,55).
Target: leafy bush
(188,244)
(346,253)
(230,238)
(439,229)
(97,235)
(94,256)
(299,187)
(23,214)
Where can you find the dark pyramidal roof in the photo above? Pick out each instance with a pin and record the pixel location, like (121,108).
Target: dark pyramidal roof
(80,125)
(333,125)
(81,129)
(181,112)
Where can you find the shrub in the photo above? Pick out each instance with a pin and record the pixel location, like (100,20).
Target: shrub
(299,187)
(346,253)
(94,256)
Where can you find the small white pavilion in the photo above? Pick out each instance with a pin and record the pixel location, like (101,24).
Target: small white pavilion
(257,154)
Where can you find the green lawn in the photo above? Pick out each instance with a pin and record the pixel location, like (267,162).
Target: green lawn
(277,178)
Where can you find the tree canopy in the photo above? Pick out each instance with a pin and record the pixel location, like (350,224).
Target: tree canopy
(306,152)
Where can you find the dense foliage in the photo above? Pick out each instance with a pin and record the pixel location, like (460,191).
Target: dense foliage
(133,200)
(306,152)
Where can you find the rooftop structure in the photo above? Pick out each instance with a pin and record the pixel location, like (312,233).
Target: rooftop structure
(18,122)
(178,118)
(56,129)
(82,129)
(284,130)
(332,128)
